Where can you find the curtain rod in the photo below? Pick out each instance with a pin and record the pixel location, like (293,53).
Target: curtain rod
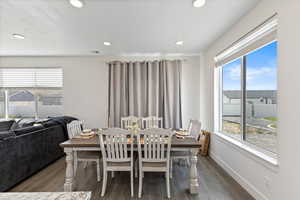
(143,61)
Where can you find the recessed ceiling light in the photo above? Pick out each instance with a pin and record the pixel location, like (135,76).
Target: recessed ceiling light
(199,3)
(76,3)
(107,43)
(18,36)
(179,43)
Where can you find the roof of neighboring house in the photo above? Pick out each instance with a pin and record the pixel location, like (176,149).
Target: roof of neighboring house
(21,96)
(251,94)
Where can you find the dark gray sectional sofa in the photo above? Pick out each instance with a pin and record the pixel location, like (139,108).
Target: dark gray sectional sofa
(26,150)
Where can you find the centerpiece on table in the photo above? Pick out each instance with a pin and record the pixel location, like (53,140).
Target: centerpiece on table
(134,127)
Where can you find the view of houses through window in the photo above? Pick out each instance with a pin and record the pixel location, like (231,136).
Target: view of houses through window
(34,93)
(256,78)
(30,103)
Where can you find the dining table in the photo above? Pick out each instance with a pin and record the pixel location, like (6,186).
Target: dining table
(187,143)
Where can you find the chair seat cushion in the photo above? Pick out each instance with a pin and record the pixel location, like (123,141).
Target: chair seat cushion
(88,154)
(154,164)
(180,153)
(118,164)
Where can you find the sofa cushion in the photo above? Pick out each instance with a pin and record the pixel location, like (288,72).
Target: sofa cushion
(27,124)
(49,123)
(6,134)
(6,125)
(22,123)
(65,119)
(25,130)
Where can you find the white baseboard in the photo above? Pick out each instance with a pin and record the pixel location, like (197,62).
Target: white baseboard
(237,177)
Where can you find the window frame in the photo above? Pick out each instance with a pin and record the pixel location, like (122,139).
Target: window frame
(38,84)
(219,103)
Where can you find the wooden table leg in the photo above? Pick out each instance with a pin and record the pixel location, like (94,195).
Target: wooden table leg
(69,180)
(194,185)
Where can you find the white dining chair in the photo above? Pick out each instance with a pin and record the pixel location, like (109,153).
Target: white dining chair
(127,122)
(151,122)
(154,154)
(117,153)
(193,131)
(75,129)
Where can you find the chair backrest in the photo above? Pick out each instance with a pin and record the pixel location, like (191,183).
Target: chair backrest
(74,128)
(126,122)
(195,128)
(114,143)
(152,122)
(154,145)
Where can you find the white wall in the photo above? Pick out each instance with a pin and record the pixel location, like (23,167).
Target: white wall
(288,181)
(261,179)
(86,84)
(190,90)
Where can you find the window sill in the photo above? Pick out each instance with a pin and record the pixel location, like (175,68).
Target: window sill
(269,161)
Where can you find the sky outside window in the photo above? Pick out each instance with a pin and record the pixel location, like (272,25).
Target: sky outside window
(261,70)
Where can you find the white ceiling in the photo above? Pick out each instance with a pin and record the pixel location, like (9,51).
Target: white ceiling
(134,27)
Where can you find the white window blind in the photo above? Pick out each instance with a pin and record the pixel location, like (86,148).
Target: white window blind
(31,78)
(256,38)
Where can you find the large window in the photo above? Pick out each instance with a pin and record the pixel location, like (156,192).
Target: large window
(254,76)
(30,92)
(247,72)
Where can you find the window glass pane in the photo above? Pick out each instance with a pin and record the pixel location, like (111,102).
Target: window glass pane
(49,103)
(2,104)
(231,95)
(21,104)
(261,93)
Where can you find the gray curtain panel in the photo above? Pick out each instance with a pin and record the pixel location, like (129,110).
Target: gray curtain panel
(151,88)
